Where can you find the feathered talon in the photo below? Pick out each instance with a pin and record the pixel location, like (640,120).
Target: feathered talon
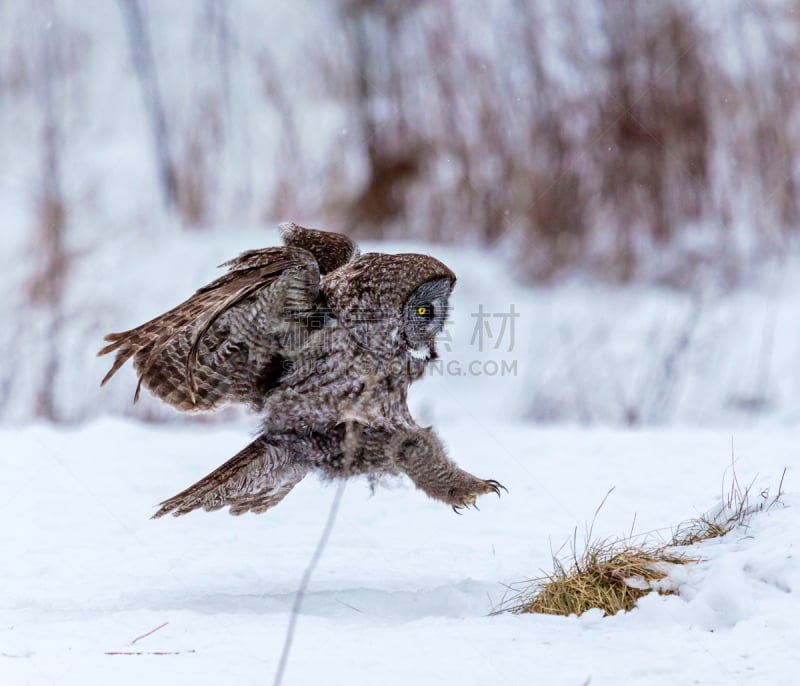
(469,495)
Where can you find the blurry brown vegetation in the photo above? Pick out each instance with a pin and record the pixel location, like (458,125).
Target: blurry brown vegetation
(625,140)
(615,136)
(604,176)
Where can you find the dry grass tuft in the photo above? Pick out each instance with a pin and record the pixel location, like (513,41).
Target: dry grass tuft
(736,509)
(608,576)
(614,573)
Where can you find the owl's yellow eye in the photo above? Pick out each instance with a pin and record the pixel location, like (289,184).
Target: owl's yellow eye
(424,311)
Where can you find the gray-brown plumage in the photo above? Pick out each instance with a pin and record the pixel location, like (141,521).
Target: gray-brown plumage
(323,342)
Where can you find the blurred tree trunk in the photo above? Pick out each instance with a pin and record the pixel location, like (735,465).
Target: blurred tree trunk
(394,152)
(144,64)
(558,207)
(49,280)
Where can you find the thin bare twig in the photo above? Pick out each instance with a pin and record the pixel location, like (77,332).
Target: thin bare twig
(152,631)
(147,652)
(298,599)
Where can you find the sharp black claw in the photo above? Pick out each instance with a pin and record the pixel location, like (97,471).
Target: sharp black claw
(496,486)
(456,509)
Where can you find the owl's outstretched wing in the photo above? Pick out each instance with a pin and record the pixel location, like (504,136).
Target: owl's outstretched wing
(232,340)
(253,480)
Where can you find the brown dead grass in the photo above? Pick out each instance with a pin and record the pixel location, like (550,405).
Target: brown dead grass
(607,576)
(613,574)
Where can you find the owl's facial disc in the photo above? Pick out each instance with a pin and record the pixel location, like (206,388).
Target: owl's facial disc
(424,315)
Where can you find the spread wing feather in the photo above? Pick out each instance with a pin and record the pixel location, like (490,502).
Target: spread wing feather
(226,342)
(253,480)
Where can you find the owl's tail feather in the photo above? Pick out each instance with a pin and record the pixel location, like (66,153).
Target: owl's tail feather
(253,480)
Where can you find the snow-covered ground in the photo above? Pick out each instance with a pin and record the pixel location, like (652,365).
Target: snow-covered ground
(402,592)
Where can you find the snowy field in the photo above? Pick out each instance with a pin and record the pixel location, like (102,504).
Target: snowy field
(563,392)
(403,591)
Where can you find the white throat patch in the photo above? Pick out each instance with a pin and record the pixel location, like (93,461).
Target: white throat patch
(422,353)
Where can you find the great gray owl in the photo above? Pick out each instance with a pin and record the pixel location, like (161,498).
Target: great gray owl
(323,342)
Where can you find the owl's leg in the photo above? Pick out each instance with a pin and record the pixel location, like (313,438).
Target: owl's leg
(421,455)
